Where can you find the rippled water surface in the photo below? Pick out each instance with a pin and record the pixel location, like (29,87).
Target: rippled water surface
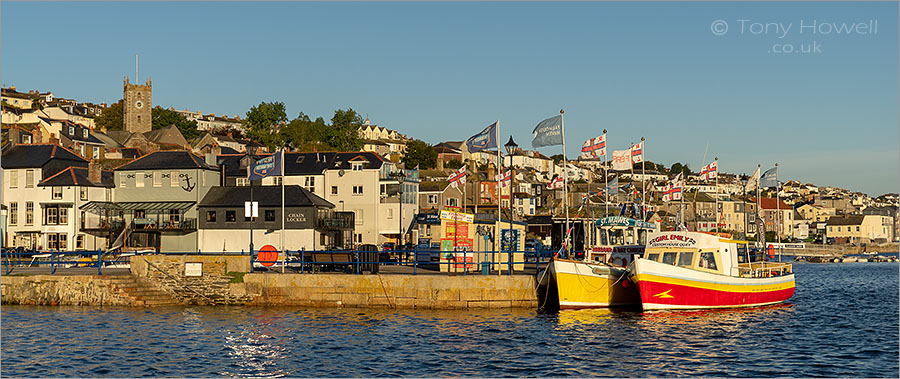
(842,322)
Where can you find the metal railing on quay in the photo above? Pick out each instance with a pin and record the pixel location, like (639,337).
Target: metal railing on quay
(17,257)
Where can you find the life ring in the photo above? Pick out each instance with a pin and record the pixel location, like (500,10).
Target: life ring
(771,252)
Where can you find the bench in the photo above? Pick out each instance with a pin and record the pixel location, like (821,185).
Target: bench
(330,261)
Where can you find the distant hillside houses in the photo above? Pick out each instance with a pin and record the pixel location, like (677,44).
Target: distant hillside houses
(211,122)
(386,142)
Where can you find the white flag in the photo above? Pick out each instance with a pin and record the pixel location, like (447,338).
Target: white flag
(621,160)
(753,181)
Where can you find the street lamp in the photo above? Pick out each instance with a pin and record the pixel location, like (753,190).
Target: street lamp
(510,149)
(744,180)
(400,176)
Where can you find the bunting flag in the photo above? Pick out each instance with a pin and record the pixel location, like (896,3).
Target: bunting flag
(753,181)
(484,140)
(504,179)
(458,177)
(769,179)
(548,132)
(266,167)
(613,187)
(621,160)
(637,153)
(594,147)
(557,182)
(709,171)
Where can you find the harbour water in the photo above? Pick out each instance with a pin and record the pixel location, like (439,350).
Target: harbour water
(841,322)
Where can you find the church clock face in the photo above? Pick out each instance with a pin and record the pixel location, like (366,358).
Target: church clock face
(138,104)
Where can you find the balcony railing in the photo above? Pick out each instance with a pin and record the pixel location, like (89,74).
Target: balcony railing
(335,221)
(165,225)
(102,225)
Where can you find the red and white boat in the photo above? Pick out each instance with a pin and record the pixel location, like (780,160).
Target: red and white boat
(690,270)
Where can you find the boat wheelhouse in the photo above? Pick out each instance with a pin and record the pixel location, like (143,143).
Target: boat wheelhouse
(691,270)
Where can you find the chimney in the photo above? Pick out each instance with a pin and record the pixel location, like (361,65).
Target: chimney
(229,134)
(210,159)
(53,139)
(491,172)
(95,173)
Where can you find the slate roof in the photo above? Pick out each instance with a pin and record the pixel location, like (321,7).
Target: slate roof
(77,176)
(120,136)
(107,140)
(846,220)
(228,150)
(37,155)
(167,159)
(167,135)
(316,163)
(267,196)
(232,163)
(78,136)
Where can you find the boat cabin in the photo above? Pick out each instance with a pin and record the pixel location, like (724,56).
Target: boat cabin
(707,252)
(617,239)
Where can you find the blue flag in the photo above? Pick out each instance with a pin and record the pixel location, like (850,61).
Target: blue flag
(613,187)
(266,167)
(484,140)
(769,178)
(548,132)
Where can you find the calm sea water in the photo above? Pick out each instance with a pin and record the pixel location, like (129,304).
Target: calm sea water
(842,322)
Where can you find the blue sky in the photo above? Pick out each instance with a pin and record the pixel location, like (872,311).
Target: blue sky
(443,71)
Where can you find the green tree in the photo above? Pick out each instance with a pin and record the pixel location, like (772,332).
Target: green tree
(421,154)
(264,122)
(307,135)
(556,158)
(453,164)
(164,117)
(344,132)
(677,168)
(112,118)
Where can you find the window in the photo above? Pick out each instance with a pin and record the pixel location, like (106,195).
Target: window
(157,179)
(173,179)
(334,190)
(29,178)
(210,216)
(72,131)
(82,193)
(79,242)
(669,258)
(685,259)
(13,213)
(122,180)
(140,213)
(57,193)
(29,213)
(230,216)
(357,190)
(270,215)
(356,166)
(358,237)
(242,182)
(857,228)
(830,229)
(653,257)
(51,216)
(13,179)
(139,179)
(174,217)
(432,199)
(53,241)
(708,260)
(277,180)
(63,216)
(452,202)
(203,178)
(310,183)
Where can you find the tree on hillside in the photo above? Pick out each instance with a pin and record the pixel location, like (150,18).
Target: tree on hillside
(164,117)
(557,158)
(419,153)
(677,168)
(344,132)
(263,123)
(306,135)
(112,118)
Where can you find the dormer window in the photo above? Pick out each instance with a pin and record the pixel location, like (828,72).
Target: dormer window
(356,166)
(85,133)
(71,130)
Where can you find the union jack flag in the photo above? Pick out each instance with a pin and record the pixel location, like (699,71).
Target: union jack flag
(458,177)
(709,171)
(637,153)
(557,182)
(594,147)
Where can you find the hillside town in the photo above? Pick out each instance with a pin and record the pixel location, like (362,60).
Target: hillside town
(72,183)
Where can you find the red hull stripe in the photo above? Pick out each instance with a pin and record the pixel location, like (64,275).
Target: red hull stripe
(685,295)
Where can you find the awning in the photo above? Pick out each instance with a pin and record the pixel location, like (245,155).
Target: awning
(156,205)
(100,205)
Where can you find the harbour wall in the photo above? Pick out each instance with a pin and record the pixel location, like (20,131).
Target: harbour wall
(222,280)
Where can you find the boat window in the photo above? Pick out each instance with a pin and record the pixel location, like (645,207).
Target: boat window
(629,236)
(708,260)
(604,237)
(653,257)
(685,259)
(669,258)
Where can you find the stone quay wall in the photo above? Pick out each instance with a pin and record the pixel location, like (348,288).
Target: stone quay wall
(205,280)
(61,290)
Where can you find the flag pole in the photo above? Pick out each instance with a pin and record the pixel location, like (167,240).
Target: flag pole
(499,195)
(758,211)
(643,179)
(283,230)
(565,180)
(777,212)
(717,193)
(605,175)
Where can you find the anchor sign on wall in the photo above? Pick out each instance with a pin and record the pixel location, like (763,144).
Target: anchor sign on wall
(187,186)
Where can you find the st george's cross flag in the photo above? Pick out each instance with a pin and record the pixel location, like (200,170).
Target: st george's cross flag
(557,182)
(504,179)
(709,171)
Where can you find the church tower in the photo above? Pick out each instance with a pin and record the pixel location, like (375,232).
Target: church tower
(136,108)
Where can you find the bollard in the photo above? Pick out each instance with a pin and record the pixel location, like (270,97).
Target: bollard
(415,258)
(99,263)
(357,260)
(301,259)
(465,267)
